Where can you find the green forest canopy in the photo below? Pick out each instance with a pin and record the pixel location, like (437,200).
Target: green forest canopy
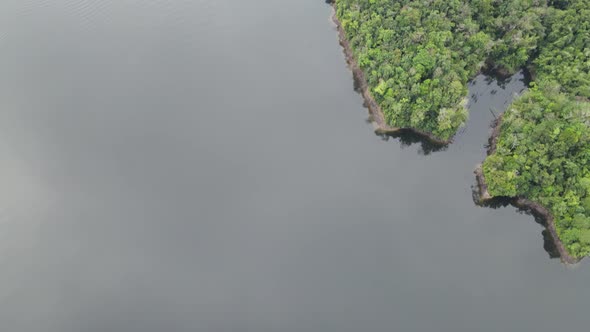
(543,153)
(419,55)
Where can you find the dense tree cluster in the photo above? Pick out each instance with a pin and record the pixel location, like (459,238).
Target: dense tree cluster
(413,59)
(543,150)
(543,153)
(515,26)
(565,52)
(419,54)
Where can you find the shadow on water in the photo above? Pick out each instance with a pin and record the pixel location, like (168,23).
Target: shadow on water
(548,242)
(499,81)
(427,146)
(501,78)
(549,245)
(503,202)
(408,138)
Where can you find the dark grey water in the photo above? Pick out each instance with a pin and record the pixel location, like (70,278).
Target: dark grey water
(182,165)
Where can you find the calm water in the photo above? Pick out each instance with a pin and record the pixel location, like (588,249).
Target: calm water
(200,165)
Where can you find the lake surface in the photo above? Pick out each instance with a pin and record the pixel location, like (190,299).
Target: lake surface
(200,165)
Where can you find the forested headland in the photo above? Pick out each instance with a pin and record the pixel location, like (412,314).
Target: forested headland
(418,55)
(543,149)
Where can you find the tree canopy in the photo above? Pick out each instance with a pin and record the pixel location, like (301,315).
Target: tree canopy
(418,56)
(543,153)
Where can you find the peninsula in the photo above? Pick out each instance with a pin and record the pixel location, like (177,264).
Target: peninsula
(414,58)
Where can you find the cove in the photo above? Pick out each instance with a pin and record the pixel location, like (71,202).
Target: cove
(539,211)
(432,143)
(147,185)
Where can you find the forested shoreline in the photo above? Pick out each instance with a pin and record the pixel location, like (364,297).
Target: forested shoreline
(417,57)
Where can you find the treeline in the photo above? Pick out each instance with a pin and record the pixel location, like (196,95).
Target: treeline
(543,152)
(418,56)
(414,61)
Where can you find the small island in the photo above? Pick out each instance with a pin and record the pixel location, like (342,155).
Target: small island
(413,60)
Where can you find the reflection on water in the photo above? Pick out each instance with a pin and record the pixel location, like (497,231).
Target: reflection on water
(503,202)
(407,138)
(493,82)
(549,245)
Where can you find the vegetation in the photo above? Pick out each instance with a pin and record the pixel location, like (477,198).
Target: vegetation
(565,52)
(543,151)
(419,54)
